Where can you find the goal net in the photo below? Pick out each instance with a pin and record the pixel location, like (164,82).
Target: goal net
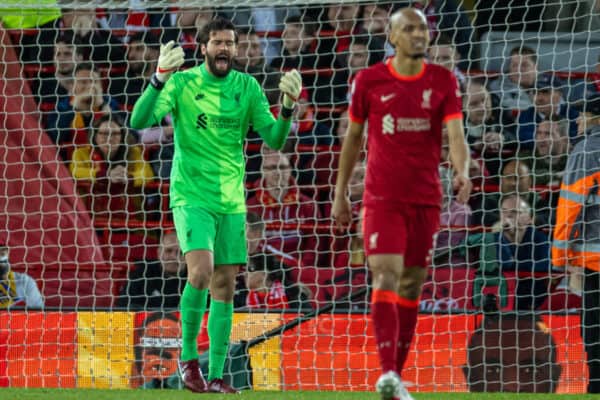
(92,276)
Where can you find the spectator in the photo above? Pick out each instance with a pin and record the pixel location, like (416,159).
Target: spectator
(278,200)
(482,128)
(67,55)
(449,18)
(513,87)
(515,179)
(142,52)
(16,289)
(116,170)
(521,248)
(548,159)
(443,52)
(250,59)
(263,290)
(97,44)
(376,19)
(548,104)
(264,261)
(512,353)
(157,283)
(186,25)
(512,15)
(75,113)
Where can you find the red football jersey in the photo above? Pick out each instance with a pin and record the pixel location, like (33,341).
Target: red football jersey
(404,116)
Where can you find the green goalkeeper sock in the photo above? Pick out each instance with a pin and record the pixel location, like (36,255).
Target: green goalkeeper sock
(220,320)
(193,306)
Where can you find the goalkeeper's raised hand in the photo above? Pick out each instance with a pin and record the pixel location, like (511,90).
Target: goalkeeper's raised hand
(291,86)
(169,60)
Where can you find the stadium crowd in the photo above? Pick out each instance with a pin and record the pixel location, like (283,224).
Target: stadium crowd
(88,67)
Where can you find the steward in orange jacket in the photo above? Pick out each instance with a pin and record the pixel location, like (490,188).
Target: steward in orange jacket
(577,232)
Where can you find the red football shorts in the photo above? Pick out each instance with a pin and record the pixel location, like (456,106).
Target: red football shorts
(406,229)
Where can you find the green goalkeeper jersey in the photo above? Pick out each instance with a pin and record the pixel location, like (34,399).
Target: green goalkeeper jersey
(211,117)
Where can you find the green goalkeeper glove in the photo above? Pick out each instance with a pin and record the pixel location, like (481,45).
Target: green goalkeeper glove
(169,60)
(291,86)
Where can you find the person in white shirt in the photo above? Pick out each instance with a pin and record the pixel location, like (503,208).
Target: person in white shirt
(17,289)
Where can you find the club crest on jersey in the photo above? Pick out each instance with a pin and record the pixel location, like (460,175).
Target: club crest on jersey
(426,98)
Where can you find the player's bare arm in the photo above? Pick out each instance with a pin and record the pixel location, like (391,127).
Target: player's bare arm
(459,155)
(342,211)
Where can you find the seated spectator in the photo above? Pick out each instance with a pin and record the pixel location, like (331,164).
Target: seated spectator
(454,215)
(548,159)
(448,16)
(308,130)
(264,261)
(515,179)
(142,54)
(186,24)
(278,200)
(443,52)
(16,289)
(513,87)
(67,55)
(250,59)
(376,19)
(363,52)
(264,291)
(156,283)
(116,170)
(97,44)
(483,130)
(298,38)
(548,104)
(521,248)
(75,113)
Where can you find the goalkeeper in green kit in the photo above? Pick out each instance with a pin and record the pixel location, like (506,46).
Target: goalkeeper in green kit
(212,107)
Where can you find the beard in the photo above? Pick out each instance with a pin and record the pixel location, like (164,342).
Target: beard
(212,64)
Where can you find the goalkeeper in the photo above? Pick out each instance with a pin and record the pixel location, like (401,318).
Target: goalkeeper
(212,107)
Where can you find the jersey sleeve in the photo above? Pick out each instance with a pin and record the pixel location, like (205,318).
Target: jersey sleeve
(153,105)
(260,115)
(358,110)
(452,108)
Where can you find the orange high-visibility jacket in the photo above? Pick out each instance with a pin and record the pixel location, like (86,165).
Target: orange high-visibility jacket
(577,231)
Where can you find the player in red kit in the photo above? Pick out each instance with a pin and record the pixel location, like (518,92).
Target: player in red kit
(405,102)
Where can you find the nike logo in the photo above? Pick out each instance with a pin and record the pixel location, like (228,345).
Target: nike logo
(387,97)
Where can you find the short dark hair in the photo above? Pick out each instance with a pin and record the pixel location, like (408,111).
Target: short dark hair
(148,38)
(308,24)
(86,66)
(216,25)
(524,51)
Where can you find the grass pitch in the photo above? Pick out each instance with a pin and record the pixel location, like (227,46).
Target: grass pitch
(97,394)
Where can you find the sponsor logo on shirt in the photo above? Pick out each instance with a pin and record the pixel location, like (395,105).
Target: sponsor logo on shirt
(225,123)
(201,121)
(390,126)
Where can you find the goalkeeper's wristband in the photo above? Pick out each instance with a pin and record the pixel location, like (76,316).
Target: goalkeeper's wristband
(286,112)
(156,83)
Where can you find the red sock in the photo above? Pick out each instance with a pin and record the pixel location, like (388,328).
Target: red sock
(385,324)
(407,311)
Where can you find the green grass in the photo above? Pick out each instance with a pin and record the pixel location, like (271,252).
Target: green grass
(93,394)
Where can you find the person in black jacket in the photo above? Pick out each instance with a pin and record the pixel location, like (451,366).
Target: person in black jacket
(158,283)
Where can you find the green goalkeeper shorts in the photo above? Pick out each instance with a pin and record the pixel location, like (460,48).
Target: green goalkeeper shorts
(222,234)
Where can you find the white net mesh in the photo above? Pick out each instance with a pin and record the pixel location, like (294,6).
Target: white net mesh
(96,232)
